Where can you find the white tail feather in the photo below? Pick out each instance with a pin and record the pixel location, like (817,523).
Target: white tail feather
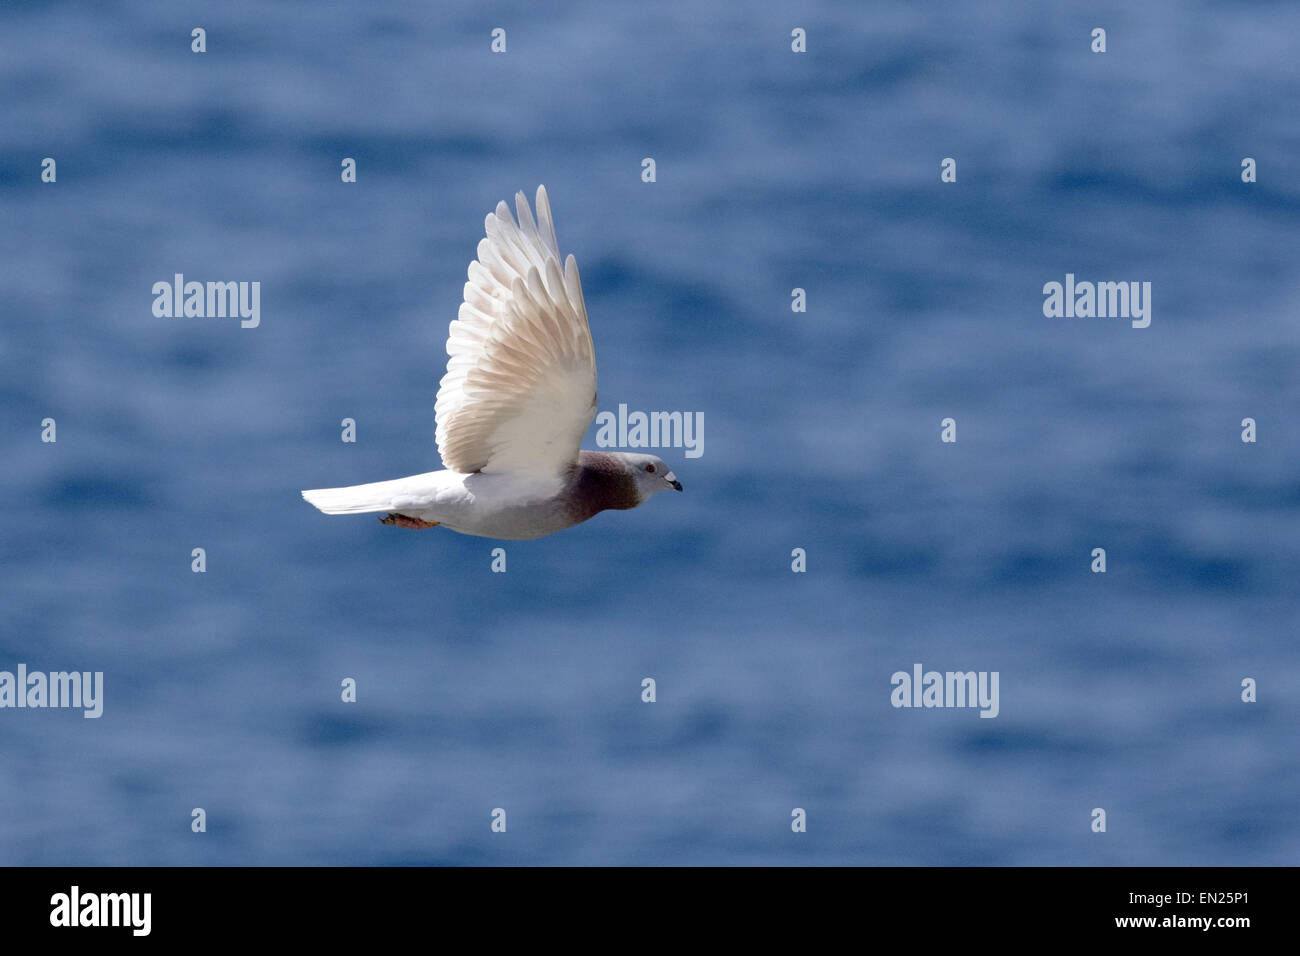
(358,499)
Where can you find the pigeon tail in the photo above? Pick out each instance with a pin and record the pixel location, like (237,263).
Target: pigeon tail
(357,499)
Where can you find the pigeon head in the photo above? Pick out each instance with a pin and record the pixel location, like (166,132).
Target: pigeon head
(650,474)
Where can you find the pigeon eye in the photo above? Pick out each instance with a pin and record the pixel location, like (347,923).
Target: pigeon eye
(650,468)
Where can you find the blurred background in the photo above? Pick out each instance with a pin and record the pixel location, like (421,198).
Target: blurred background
(774,171)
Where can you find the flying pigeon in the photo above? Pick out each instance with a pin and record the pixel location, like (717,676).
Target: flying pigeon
(519,394)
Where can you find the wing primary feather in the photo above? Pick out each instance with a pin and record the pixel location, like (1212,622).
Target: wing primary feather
(519,389)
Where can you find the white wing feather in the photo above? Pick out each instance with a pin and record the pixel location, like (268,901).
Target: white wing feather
(520,388)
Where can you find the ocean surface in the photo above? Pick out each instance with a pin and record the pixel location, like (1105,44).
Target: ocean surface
(774,171)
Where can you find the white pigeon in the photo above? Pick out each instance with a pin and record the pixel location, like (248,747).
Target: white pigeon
(519,394)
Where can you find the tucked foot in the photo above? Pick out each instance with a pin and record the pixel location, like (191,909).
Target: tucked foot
(402,521)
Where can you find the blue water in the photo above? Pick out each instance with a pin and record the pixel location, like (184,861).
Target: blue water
(774,171)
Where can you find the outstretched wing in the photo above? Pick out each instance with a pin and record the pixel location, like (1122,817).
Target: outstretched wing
(520,388)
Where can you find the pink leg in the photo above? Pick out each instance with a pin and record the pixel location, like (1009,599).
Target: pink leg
(402,521)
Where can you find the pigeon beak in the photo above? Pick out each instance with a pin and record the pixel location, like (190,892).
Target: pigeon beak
(672,480)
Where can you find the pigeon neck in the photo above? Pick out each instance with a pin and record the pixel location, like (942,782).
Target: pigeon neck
(602,481)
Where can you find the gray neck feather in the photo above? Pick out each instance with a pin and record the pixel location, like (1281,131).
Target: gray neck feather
(600,481)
